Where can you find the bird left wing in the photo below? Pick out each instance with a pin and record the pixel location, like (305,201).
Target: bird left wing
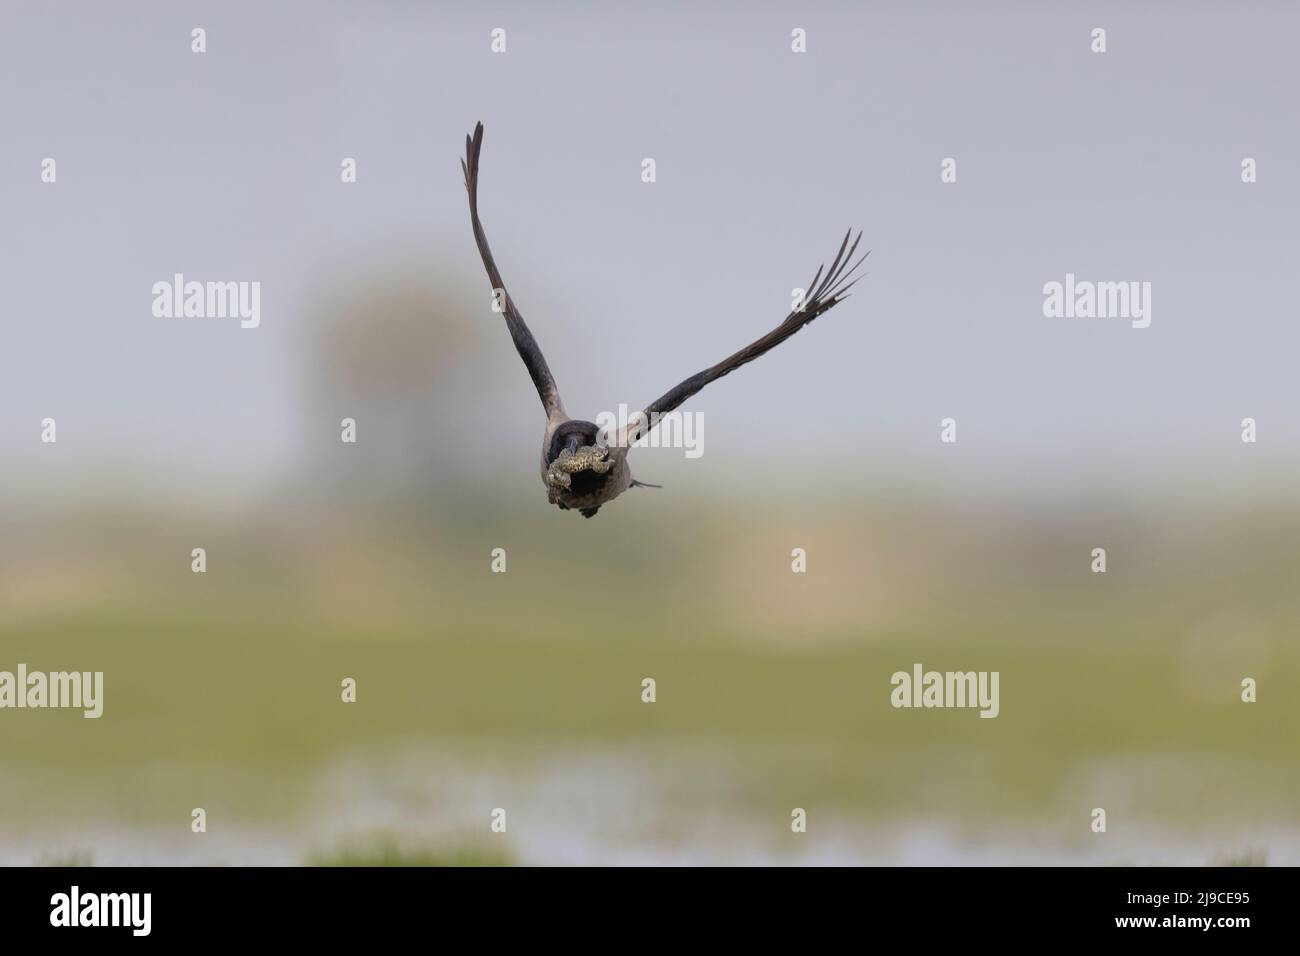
(823,294)
(525,344)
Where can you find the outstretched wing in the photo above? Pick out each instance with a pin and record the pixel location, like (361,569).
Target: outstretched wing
(823,294)
(525,344)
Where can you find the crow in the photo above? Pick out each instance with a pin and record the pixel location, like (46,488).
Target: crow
(579,470)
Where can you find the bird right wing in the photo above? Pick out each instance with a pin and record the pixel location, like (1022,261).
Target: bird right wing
(525,344)
(822,296)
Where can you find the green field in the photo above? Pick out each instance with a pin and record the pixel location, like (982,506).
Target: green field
(523,689)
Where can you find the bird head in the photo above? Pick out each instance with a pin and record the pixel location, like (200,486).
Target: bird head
(573,434)
(578,465)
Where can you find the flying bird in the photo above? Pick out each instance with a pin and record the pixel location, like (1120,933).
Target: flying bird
(578,470)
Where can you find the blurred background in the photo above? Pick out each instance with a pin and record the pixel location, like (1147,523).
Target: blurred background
(522,690)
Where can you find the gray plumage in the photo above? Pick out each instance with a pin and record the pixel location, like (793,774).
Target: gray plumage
(580,472)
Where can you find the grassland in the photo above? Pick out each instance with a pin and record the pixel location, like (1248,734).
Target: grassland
(223,689)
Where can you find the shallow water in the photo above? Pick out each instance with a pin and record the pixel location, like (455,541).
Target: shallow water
(606,809)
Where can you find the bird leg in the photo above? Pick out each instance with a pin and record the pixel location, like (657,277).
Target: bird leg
(559,476)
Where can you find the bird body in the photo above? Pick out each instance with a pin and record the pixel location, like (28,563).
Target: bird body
(579,473)
(582,469)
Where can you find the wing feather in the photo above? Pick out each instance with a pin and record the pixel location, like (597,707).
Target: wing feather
(525,344)
(824,293)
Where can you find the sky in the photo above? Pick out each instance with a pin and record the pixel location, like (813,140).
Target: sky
(225,165)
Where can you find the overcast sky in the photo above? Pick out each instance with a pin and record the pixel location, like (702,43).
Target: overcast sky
(1118,166)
